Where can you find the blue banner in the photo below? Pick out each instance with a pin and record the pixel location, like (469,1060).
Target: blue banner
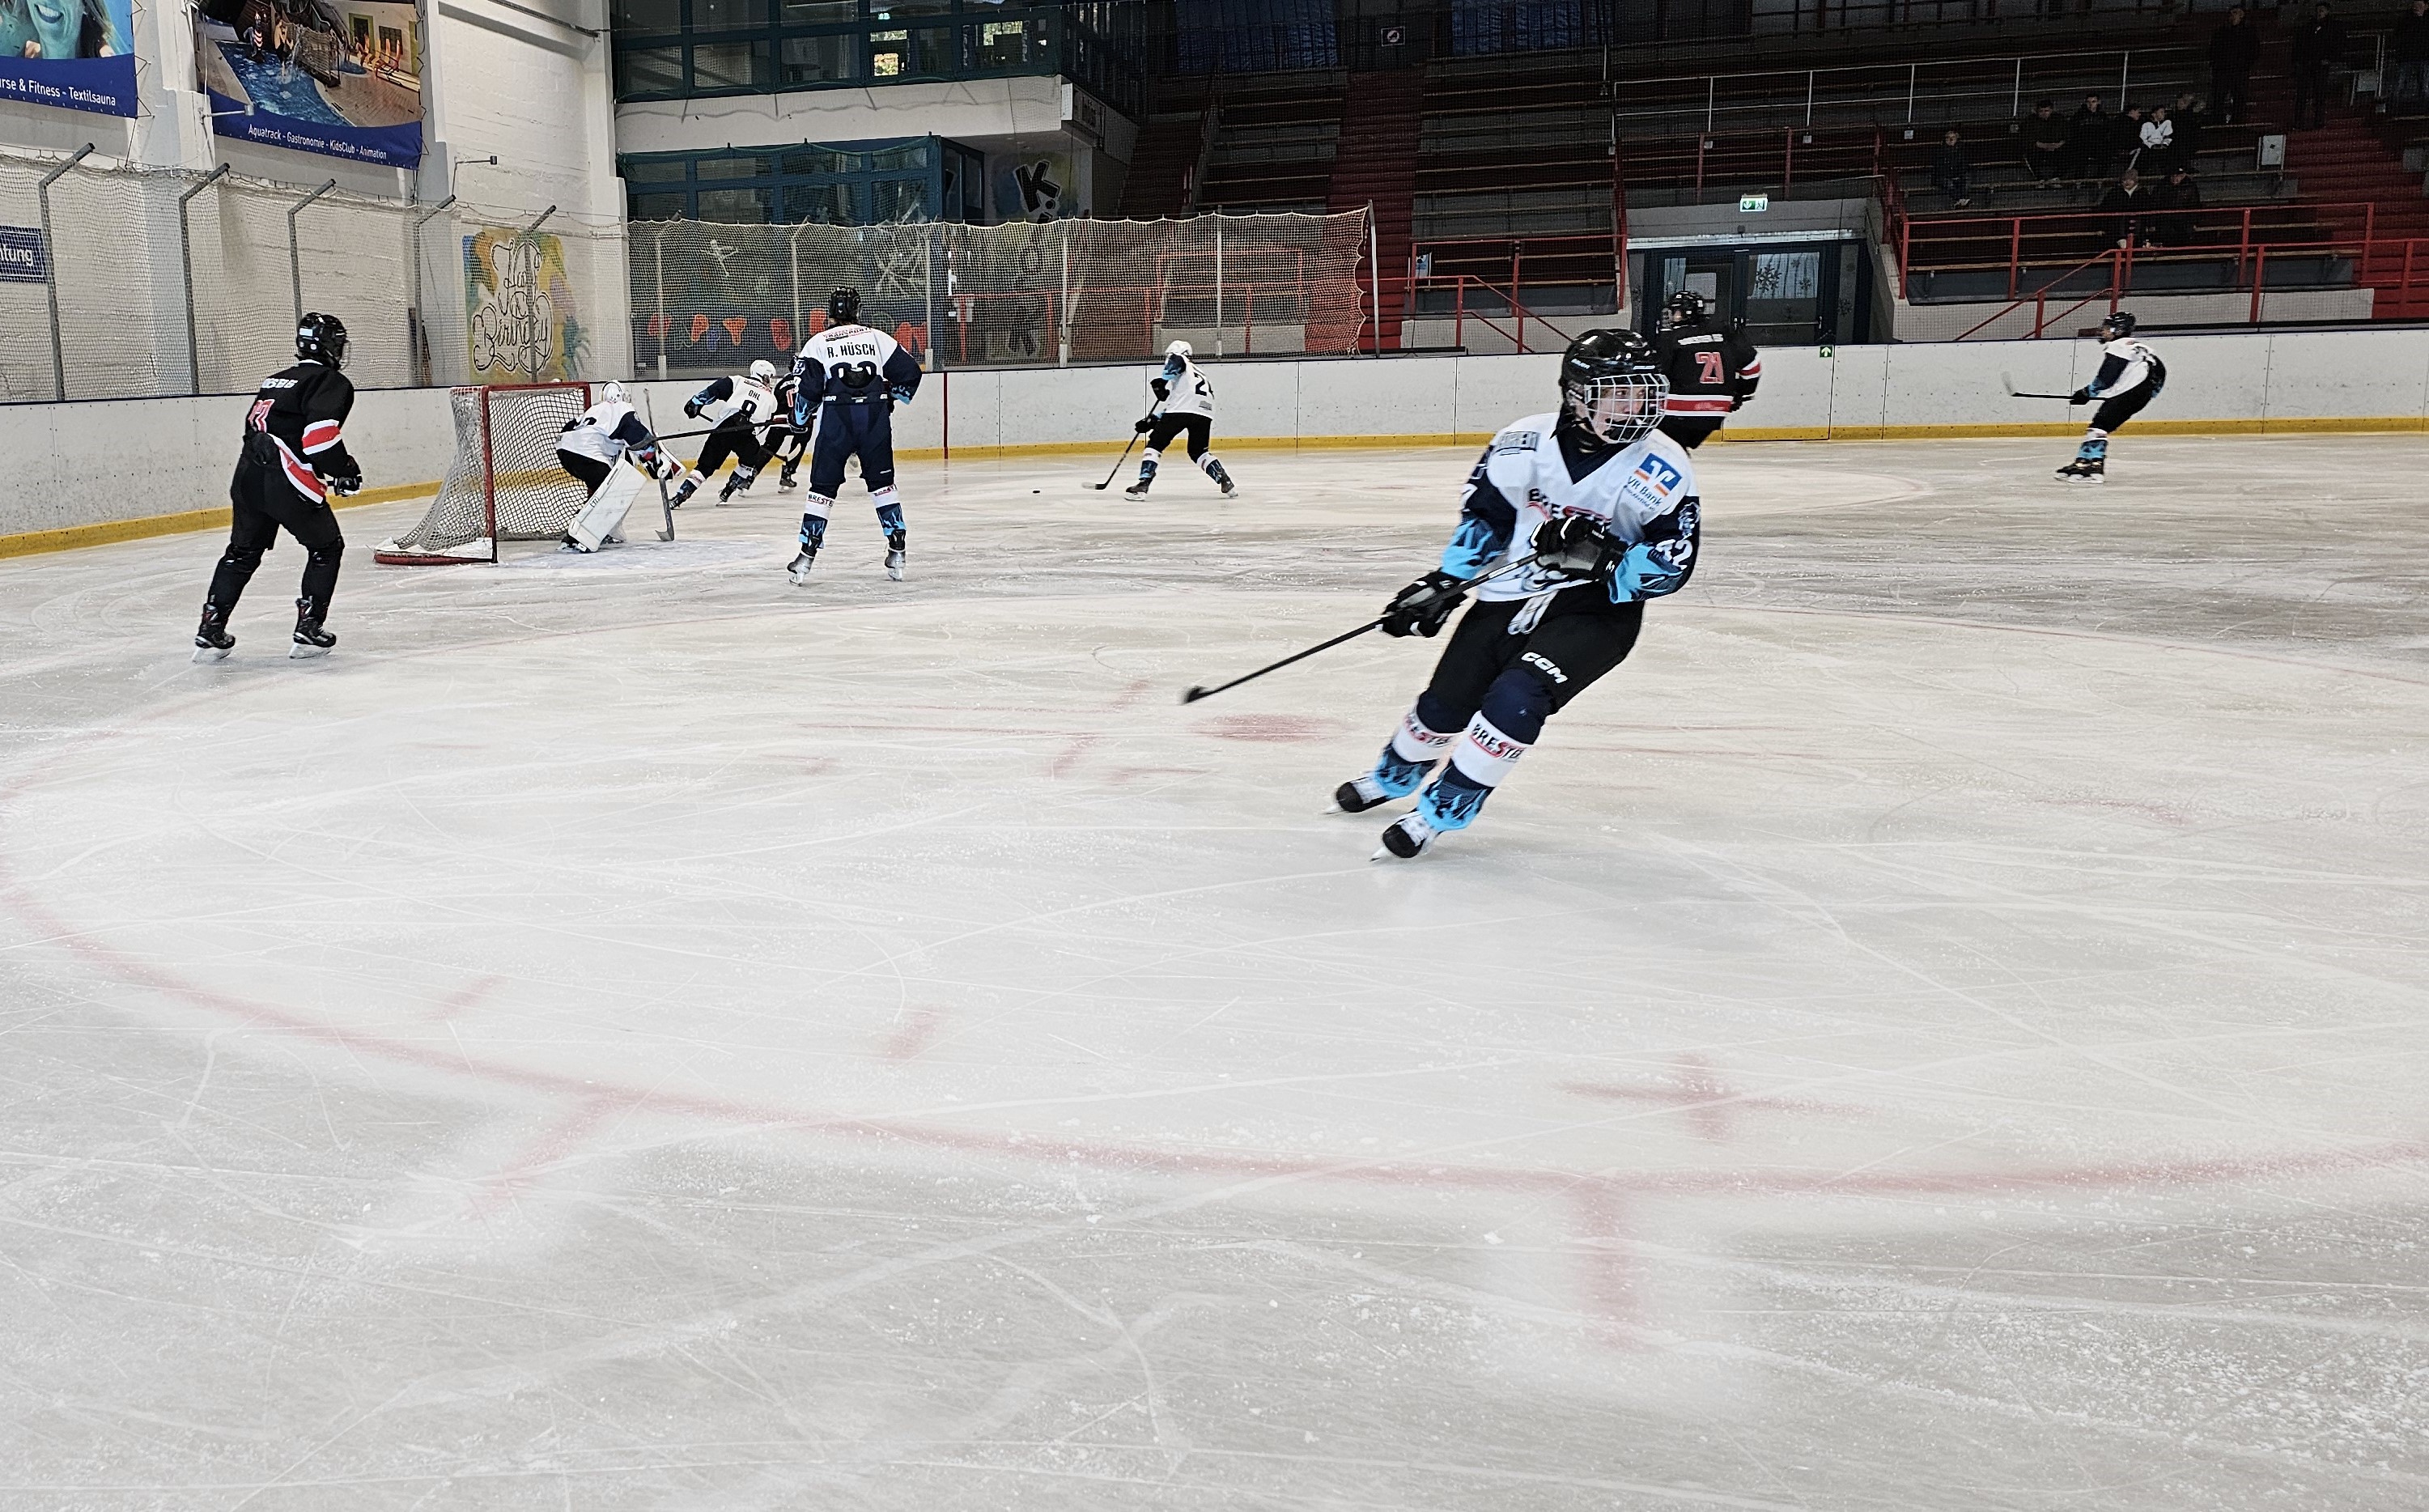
(21,255)
(102,85)
(350,89)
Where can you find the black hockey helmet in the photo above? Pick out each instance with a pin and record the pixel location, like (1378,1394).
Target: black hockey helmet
(843,306)
(1685,307)
(321,338)
(2119,325)
(1612,387)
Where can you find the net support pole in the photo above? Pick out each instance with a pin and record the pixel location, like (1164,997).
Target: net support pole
(422,357)
(935,354)
(51,271)
(658,264)
(1063,331)
(1375,277)
(294,252)
(532,359)
(792,260)
(1218,286)
(186,262)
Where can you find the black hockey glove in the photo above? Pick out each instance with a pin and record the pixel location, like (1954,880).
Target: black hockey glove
(1577,545)
(1421,608)
(691,409)
(2080,396)
(1163,390)
(1146,424)
(344,484)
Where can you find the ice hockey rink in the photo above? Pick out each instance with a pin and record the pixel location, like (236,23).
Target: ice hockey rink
(1944,1027)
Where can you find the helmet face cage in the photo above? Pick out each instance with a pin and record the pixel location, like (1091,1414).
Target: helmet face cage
(1619,408)
(611,393)
(763,371)
(2118,326)
(1686,308)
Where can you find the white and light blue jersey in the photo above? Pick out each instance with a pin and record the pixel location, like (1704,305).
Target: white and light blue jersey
(1643,493)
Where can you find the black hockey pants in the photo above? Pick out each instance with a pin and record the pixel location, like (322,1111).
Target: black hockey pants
(1581,636)
(587,470)
(2125,407)
(735,441)
(263,501)
(848,430)
(1201,429)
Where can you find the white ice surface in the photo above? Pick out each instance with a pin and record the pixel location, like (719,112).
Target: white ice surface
(1942,1026)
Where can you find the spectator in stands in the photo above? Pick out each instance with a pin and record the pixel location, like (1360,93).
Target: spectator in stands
(2233,49)
(2129,136)
(2409,49)
(2317,48)
(2179,197)
(2158,153)
(2126,204)
(1950,173)
(2091,138)
(2045,141)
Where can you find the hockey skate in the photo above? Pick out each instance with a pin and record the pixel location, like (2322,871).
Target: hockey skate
(567,543)
(1405,839)
(898,549)
(690,487)
(1136,491)
(800,570)
(2084,469)
(786,482)
(211,640)
(1392,777)
(310,640)
(1230,489)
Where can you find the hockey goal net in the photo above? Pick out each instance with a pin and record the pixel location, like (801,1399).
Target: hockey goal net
(504,483)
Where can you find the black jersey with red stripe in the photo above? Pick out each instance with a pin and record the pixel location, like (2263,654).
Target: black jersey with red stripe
(303,410)
(1711,373)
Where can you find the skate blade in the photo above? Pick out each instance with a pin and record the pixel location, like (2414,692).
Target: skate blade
(895,572)
(297,651)
(666,534)
(212,653)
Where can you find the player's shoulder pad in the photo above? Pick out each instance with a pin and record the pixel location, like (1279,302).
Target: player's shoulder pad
(1527,433)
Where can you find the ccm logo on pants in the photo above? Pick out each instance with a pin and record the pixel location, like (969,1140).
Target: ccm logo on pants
(1546,666)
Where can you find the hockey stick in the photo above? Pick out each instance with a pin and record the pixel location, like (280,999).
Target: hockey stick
(1135,434)
(1194,694)
(665,508)
(2014,392)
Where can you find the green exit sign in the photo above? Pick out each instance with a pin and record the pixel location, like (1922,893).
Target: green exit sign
(1753,204)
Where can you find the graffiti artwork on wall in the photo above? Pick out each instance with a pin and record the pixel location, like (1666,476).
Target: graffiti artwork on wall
(519,309)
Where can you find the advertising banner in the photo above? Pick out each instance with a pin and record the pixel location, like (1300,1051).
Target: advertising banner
(77,54)
(342,78)
(22,260)
(519,309)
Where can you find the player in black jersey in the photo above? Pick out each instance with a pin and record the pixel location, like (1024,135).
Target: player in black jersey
(1712,367)
(294,456)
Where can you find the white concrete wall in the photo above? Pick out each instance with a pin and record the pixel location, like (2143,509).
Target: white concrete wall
(1023,107)
(73,468)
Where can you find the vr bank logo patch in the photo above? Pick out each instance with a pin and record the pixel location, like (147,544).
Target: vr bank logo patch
(1660,475)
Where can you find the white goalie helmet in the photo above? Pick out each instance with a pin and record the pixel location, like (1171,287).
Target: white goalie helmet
(763,371)
(1613,386)
(1181,350)
(611,393)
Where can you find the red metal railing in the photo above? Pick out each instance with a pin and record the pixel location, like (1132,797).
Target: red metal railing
(2401,264)
(2206,235)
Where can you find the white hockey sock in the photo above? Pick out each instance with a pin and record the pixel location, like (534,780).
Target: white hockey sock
(1483,754)
(1413,742)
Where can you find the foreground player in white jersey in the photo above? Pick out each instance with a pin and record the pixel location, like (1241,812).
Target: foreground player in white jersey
(1608,503)
(1186,401)
(739,410)
(850,378)
(588,447)
(2130,376)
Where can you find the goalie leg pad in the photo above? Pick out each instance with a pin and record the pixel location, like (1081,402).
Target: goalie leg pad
(604,514)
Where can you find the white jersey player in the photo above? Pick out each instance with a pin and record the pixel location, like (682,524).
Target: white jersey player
(1184,402)
(1605,504)
(848,380)
(2130,376)
(589,447)
(740,409)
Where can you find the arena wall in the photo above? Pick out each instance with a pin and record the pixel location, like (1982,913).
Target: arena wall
(92,484)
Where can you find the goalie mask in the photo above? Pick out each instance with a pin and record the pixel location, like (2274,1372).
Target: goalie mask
(611,393)
(1611,387)
(321,338)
